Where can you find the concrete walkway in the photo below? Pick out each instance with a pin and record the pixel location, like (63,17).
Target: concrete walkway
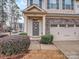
(43,51)
(35,45)
(69,48)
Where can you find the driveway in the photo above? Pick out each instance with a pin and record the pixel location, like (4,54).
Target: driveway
(69,48)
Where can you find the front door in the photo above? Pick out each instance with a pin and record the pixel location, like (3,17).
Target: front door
(35,28)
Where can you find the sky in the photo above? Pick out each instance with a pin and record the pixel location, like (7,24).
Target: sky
(22,4)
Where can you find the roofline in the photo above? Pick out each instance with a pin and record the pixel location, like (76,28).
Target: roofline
(32,6)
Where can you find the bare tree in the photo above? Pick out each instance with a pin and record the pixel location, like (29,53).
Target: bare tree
(3,14)
(9,11)
(15,15)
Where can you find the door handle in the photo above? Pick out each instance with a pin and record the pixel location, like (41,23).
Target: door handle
(75,33)
(58,33)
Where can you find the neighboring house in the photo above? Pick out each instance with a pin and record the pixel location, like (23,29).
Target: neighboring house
(9,15)
(21,23)
(57,17)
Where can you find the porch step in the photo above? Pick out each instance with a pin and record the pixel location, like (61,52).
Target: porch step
(35,38)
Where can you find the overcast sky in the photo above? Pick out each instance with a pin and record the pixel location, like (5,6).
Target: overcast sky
(22,4)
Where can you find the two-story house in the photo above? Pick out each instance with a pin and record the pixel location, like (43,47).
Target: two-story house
(57,17)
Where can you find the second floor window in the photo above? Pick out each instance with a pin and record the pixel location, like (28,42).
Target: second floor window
(53,4)
(37,2)
(67,4)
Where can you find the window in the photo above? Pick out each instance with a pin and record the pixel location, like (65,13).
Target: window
(6,0)
(38,2)
(77,6)
(35,1)
(53,25)
(31,2)
(62,25)
(70,25)
(53,4)
(67,4)
(77,25)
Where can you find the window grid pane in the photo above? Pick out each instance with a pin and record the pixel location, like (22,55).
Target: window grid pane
(53,4)
(37,2)
(67,4)
(62,25)
(70,25)
(53,25)
(77,25)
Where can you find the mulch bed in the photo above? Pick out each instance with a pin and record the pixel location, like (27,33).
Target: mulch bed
(12,57)
(38,54)
(45,54)
(18,56)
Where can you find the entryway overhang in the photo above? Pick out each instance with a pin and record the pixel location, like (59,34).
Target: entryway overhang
(34,10)
(31,14)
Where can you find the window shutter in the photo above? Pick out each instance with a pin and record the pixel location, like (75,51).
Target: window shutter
(63,4)
(47,4)
(40,3)
(57,4)
(72,4)
(31,1)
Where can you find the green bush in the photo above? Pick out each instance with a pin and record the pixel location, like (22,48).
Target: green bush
(23,33)
(47,39)
(14,44)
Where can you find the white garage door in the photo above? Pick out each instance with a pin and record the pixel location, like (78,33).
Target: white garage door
(65,32)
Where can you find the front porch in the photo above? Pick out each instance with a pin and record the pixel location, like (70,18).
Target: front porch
(35,25)
(35,21)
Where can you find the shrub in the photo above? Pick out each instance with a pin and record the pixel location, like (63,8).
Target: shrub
(23,33)
(3,35)
(47,39)
(14,44)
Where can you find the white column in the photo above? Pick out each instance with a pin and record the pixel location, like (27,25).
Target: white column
(25,24)
(44,23)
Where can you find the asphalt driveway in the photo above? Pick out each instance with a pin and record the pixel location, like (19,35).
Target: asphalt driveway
(69,48)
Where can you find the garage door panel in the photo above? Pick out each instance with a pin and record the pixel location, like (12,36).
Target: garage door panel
(68,32)
(65,33)
(77,31)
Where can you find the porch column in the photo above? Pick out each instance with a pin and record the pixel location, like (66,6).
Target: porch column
(44,22)
(25,24)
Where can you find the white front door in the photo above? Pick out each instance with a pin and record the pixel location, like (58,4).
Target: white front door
(65,32)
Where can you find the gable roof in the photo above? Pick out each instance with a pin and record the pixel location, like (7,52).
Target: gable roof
(34,9)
